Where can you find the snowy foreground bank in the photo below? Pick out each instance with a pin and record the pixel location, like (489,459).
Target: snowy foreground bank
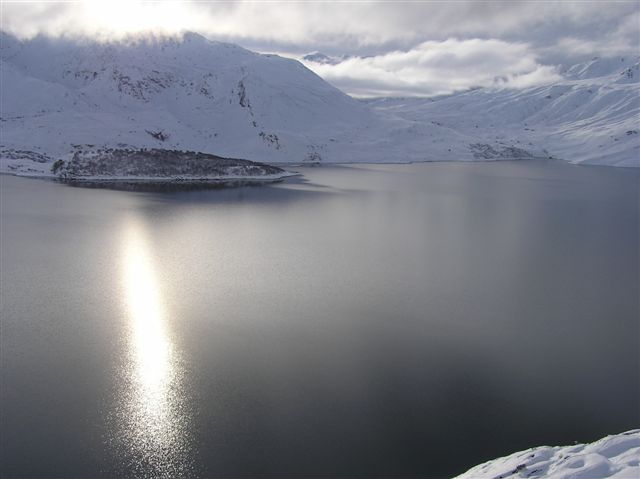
(616,456)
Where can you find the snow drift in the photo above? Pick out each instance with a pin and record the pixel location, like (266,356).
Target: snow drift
(616,456)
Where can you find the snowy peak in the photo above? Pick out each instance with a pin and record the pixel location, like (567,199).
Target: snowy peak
(620,69)
(321,58)
(144,66)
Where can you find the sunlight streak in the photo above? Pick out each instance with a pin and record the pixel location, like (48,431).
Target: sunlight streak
(156,425)
(151,345)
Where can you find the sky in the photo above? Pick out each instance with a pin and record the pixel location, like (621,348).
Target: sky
(375,48)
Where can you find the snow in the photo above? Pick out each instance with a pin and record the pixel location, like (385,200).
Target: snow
(616,456)
(592,116)
(193,94)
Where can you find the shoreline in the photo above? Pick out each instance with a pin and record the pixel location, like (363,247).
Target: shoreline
(152,179)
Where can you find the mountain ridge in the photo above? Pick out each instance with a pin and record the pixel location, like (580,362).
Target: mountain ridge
(191,93)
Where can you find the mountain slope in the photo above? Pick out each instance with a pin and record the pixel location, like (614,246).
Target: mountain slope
(592,116)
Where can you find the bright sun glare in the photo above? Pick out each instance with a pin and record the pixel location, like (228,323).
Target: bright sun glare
(122,17)
(150,339)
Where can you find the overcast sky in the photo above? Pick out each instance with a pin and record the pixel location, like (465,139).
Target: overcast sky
(392,48)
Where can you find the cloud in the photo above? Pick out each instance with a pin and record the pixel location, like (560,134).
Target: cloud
(100,19)
(434,68)
(361,28)
(622,40)
(396,47)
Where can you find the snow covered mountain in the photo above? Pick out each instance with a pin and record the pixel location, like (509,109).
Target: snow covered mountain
(592,116)
(59,96)
(187,93)
(322,59)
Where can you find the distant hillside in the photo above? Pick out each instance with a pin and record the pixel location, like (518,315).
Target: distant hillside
(591,117)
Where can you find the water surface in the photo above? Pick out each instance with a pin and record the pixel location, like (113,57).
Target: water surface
(364,321)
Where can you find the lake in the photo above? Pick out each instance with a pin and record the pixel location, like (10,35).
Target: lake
(358,321)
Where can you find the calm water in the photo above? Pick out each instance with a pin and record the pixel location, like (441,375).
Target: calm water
(366,321)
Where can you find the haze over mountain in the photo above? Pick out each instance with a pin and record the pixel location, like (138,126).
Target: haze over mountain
(191,93)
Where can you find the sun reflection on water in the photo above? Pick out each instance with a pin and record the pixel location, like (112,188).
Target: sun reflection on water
(154,426)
